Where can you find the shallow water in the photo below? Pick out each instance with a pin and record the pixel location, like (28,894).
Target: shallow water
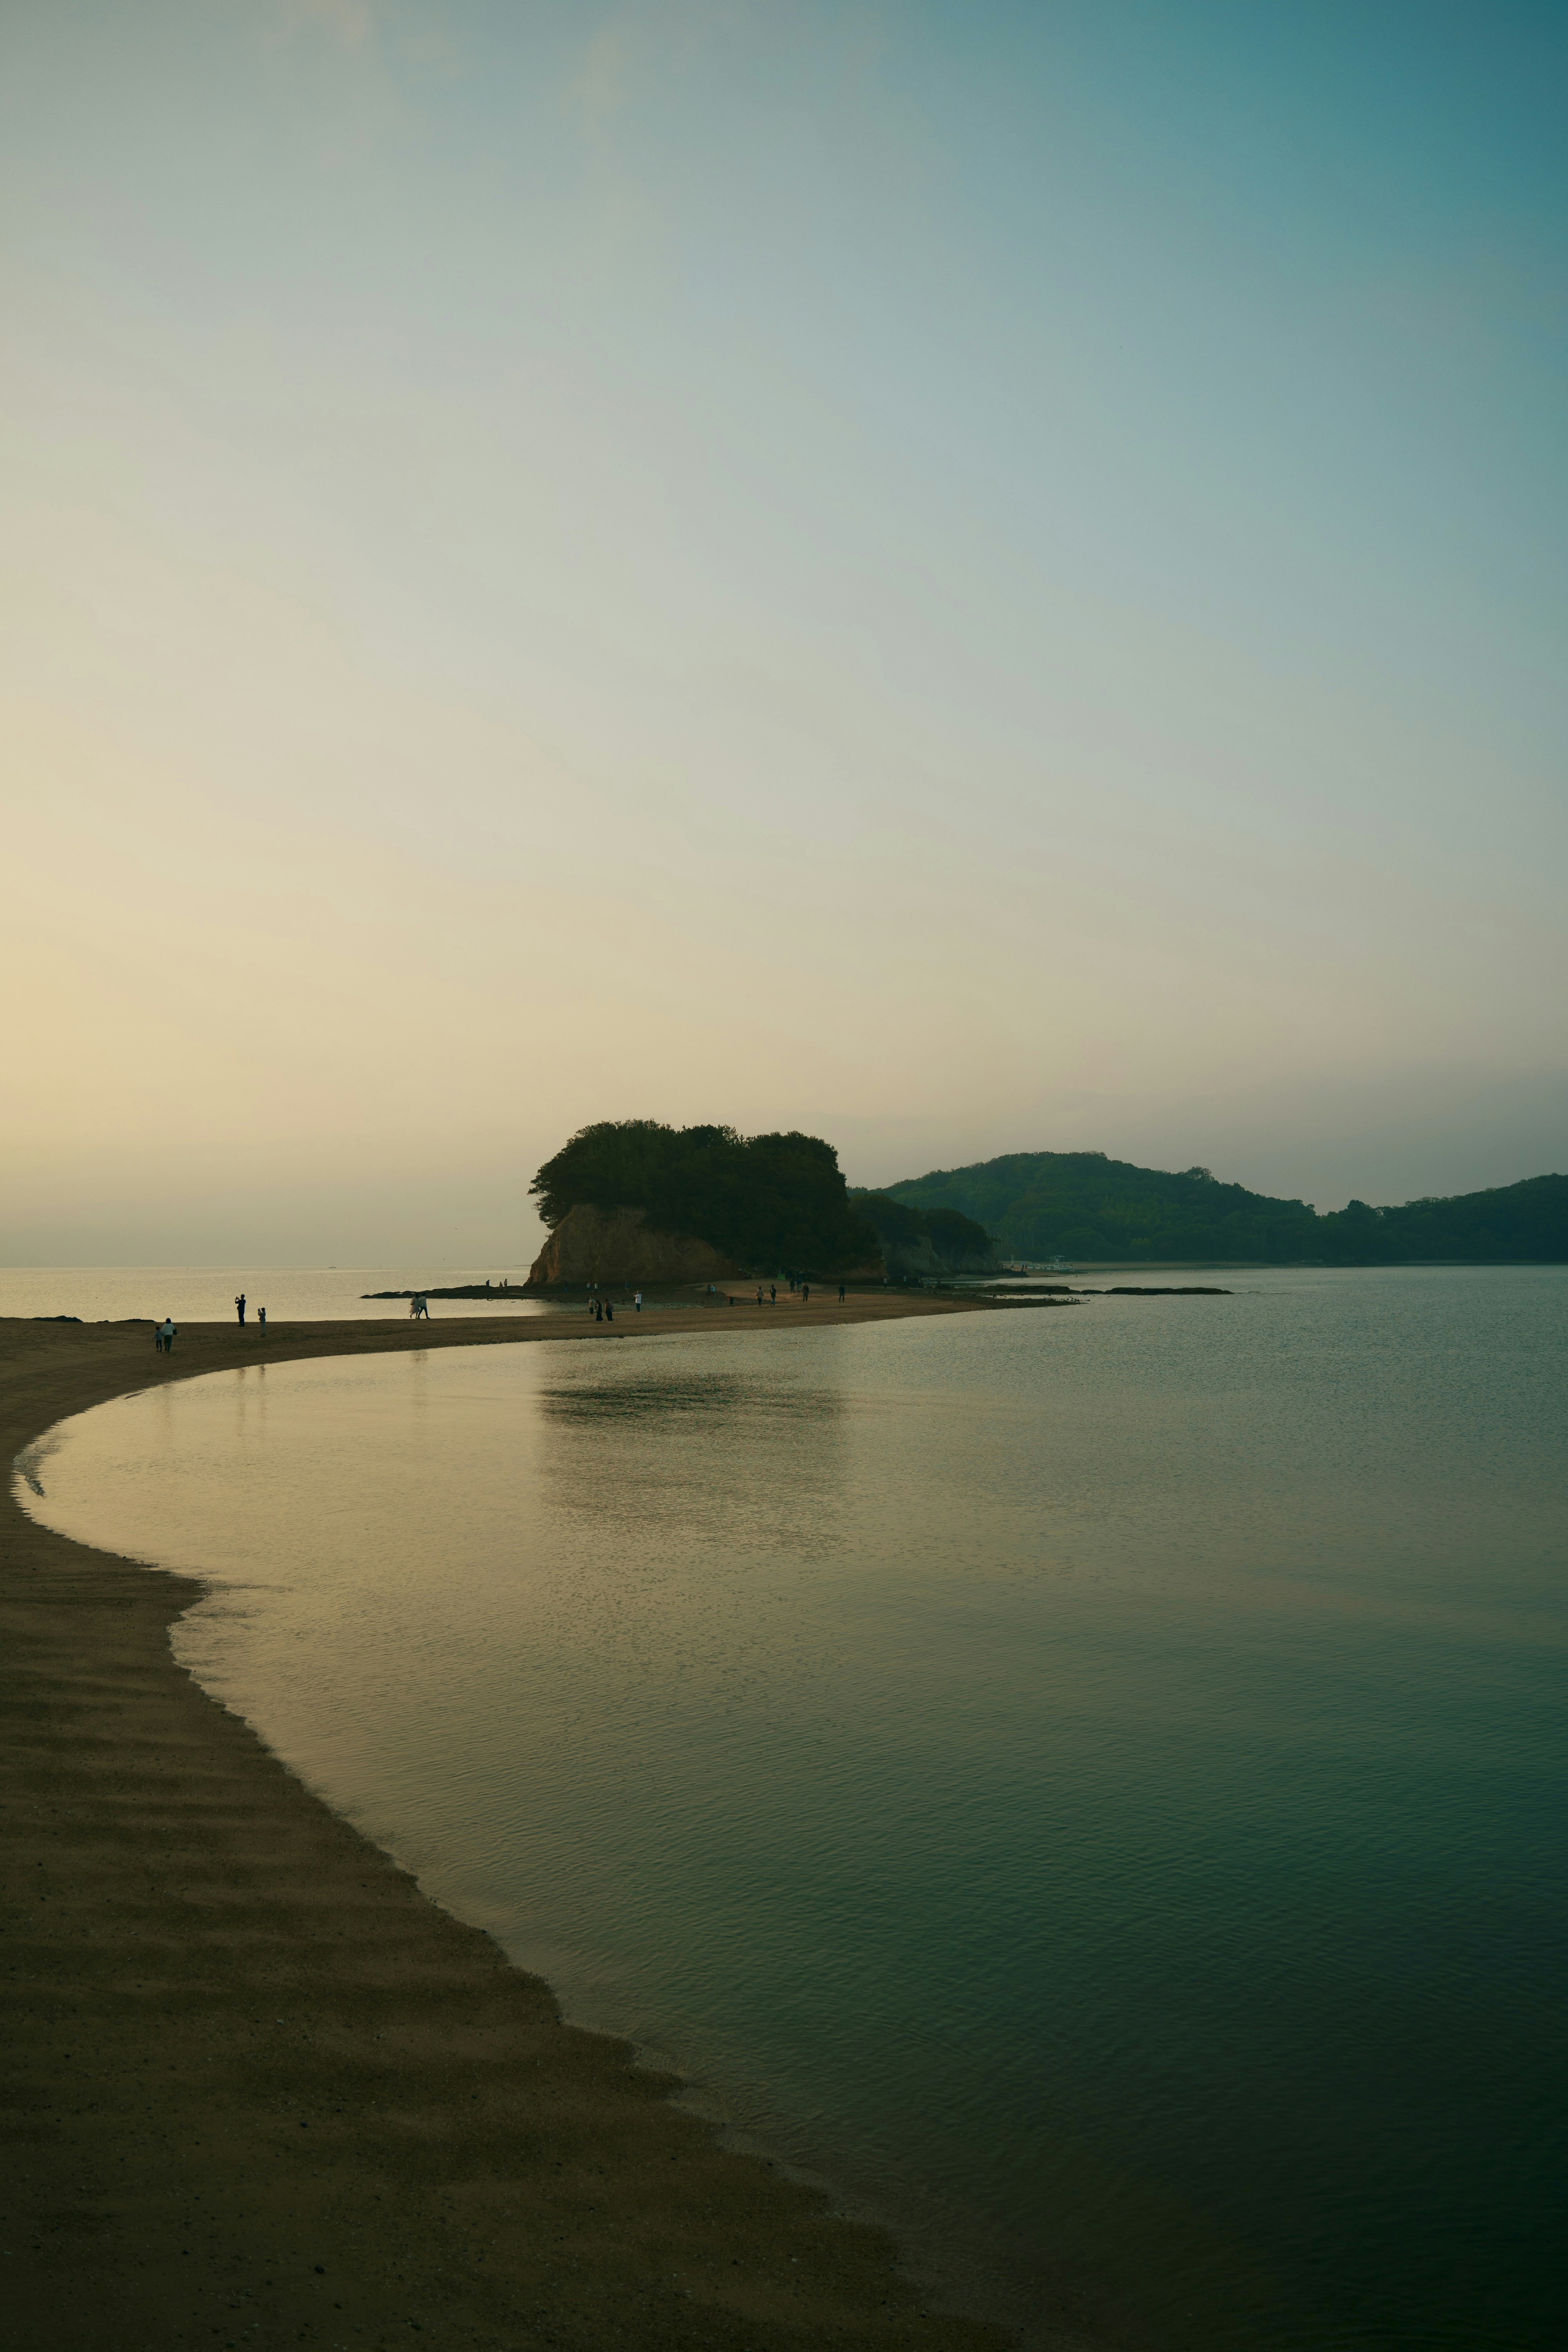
(1091,1780)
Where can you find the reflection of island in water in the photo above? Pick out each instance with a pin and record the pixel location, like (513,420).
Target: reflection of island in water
(721,1457)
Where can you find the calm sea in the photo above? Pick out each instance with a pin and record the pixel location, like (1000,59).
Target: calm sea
(1091,1781)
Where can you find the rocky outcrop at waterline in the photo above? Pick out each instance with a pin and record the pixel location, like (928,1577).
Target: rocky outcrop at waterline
(463,1290)
(592,1245)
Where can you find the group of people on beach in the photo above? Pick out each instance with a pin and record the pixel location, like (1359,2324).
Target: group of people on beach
(600,1307)
(795,1285)
(603,1309)
(166,1333)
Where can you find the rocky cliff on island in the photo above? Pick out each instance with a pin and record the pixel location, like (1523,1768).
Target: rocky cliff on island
(592,1245)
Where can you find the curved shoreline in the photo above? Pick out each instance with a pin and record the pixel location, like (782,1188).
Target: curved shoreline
(256,2086)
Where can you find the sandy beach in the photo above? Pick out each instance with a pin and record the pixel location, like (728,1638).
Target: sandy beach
(258,2089)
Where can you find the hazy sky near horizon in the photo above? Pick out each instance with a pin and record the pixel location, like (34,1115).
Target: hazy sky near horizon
(969,578)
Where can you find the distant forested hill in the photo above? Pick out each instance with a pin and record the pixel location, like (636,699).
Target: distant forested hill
(1080,1204)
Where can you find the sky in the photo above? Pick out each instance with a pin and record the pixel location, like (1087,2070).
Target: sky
(967,577)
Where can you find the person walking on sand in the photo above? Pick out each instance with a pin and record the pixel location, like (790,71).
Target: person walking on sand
(239,1307)
(806,1294)
(772,1294)
(165,1336)
(638,1302)
(841,1294)
(609,1310)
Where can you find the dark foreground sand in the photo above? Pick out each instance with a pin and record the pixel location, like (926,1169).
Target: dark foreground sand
(256,2089)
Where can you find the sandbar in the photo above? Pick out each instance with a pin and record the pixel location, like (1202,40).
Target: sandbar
(258,2089)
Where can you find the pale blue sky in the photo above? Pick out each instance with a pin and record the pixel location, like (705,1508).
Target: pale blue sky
(967,577)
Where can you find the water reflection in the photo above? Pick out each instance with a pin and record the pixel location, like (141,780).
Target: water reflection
(695,1457)
(716,1397)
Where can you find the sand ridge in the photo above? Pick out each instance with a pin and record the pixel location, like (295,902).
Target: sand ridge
(258,2089)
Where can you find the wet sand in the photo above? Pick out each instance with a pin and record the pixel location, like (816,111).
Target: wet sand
(256,2088)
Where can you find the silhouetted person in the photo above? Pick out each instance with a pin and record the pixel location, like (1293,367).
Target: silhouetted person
(609,1310)
(239,1306)
(772,1294)
(806,1294)
(261,1318)
(841,1294)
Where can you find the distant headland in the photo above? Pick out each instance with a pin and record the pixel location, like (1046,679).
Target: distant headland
(639,1201)
(1083,1205)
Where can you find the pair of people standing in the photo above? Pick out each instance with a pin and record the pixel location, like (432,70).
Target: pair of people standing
(604,1312)
(260,1314)
(165,1336)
